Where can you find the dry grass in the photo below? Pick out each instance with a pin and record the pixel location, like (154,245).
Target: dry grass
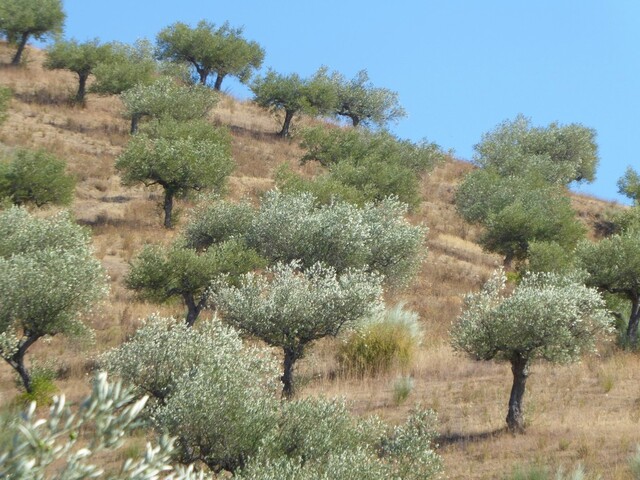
(585,413)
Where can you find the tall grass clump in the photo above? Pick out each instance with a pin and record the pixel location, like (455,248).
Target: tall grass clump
(386,341)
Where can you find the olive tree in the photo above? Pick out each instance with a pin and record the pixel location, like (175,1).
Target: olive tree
(35,177)
(21,19)
(361,102)
(126,67)
(290,309)
(179,158)
(48,278)
(613,265)
(293,94)
(222,51)
(79,58)
(164,98)
(565,152)
(288,227)
(160,273)
(547,316)
(629,185)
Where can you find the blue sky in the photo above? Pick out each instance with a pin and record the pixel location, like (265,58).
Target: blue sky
(460,67)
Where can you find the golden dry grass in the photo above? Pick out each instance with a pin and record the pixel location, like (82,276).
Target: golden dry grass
(587,413)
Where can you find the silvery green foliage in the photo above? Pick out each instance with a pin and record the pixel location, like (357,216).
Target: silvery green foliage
(167,98)
(180,164)
(128,66)
(216,396)
(164,350)
(563,153)
(363,103)
(319,440)
(59,447)
(290,308)
(48,278)
(547,316)
(629,185)
(376,237)
(216,222)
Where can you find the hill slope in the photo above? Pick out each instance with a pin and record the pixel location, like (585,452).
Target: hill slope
(583,413)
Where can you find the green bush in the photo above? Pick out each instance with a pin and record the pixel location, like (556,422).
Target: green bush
(386,341)
(42,387)
(35,177)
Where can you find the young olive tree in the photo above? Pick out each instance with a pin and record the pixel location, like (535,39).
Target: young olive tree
(126,67)
(361,102)
(48,278)
(179,158)
(21,19)
(293,94)
(547,316)
(210,50)
(40,446)
(294,308)
(35,177)
(613,265)
(164,98)
(79,58)
(160,274)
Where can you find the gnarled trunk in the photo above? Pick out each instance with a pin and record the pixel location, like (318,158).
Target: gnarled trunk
(290,357)
(168,207)
(203,73)
(218,82)
(21,44)
(82,87)
(17,362)
(193,308)
(135,119)
(520,370)
(288,116)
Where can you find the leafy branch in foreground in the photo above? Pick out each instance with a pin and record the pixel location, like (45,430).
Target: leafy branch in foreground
(57,447)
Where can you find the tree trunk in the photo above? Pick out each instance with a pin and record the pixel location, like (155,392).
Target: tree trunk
(520,370)
(17,362)
(355,120)
(288,116)
(218,82)
(288,388)
(168,207)
(21,44)
(508,261)
(203,75)
(193,309)
(82,87)
(634,319)
(135,119)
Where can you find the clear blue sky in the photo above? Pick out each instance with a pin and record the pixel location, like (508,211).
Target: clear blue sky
(460,67)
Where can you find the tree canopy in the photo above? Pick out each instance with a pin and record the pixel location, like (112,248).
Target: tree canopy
(293,94)
(547,316)
(361,102)
(165,98)
(79,58)
(126,67)
(48,278)
(629,185)
(210,50)
(22,19)
(565,153)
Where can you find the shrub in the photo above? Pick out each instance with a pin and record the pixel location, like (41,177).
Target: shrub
(388,340)
(36,177)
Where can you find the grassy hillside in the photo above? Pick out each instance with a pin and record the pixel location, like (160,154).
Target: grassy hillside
(589,412)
